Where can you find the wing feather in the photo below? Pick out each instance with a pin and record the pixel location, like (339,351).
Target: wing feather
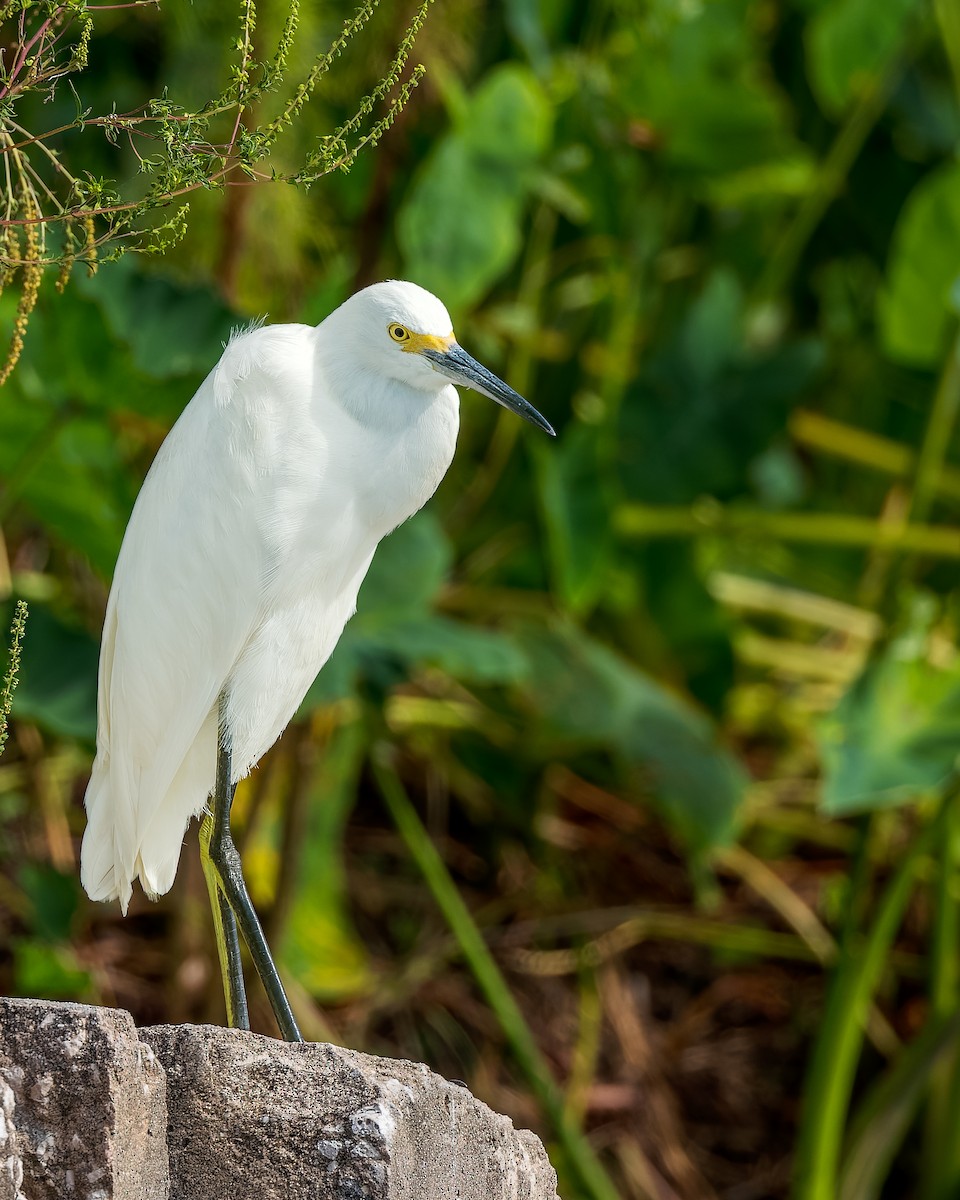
(186,598)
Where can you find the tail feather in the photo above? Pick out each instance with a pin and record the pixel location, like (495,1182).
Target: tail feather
(116,849)
(102,870)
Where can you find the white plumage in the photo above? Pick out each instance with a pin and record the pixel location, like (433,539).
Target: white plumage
(238,571)
(246,549)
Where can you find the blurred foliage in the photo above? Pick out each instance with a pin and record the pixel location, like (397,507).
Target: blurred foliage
(629,795)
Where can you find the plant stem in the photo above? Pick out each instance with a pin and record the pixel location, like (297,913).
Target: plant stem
(881,454)
(822,529)
(830,179)
(936,439)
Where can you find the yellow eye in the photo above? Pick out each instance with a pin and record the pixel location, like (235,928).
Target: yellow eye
(399,333)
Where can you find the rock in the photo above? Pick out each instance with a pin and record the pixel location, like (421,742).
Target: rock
(82,1102)
(92,1109)
(256,1119)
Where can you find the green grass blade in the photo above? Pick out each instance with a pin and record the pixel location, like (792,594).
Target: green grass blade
(885,1116)
(578,1150)
(837,1051)
(941,1157)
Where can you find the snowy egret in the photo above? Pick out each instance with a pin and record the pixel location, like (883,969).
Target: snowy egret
(240,568)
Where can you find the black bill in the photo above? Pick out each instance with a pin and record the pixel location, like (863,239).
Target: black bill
(459,367)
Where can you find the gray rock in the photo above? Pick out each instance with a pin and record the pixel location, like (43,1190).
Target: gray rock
(251,1118)
(82,1103)
(92,1109)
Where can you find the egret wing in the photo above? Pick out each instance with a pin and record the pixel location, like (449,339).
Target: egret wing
(185,599)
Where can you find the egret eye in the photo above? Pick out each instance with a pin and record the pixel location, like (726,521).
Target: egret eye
(399,333)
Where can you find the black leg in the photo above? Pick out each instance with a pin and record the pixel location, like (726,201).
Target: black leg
(225,862)
(238,1016)
(225,923)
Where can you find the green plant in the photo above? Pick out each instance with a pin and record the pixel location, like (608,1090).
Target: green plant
(56,212)
(17,631)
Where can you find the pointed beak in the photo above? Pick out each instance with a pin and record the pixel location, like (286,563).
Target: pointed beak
(455,364)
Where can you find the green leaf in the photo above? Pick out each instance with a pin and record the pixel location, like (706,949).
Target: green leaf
(54,897)
(849,44)
(406,573)
(534,24)
(58,677)
(916,310)
(587,694)
(395,622)
(96,372)
(65,444)
(459,226)
(692,74)
(171,328)
(893,736)
(73,479)
(734,398)
(508,120)
(51,972)
(481,656)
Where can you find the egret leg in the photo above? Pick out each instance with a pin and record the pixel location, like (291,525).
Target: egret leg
(228,941)
(229,885)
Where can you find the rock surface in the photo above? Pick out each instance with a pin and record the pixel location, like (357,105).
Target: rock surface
(93,1109)
(82,1102)
(331,1124)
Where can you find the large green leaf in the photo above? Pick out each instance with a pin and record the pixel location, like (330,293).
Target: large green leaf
(849,44)
(894,735)
(708,403)
(690,72)
(69,472)
(395,628)
(170,327)
(64,455)
(589,696)
(917,308)
(508,120)
(459,226)
(470,654)
(58,676)
(406,573)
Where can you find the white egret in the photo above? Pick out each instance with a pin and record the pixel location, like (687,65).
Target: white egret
(239,569)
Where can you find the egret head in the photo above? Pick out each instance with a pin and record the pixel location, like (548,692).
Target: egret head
(409,335)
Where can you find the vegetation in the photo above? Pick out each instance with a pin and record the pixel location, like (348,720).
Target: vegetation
(177,149)
(17,630)
(630,795)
